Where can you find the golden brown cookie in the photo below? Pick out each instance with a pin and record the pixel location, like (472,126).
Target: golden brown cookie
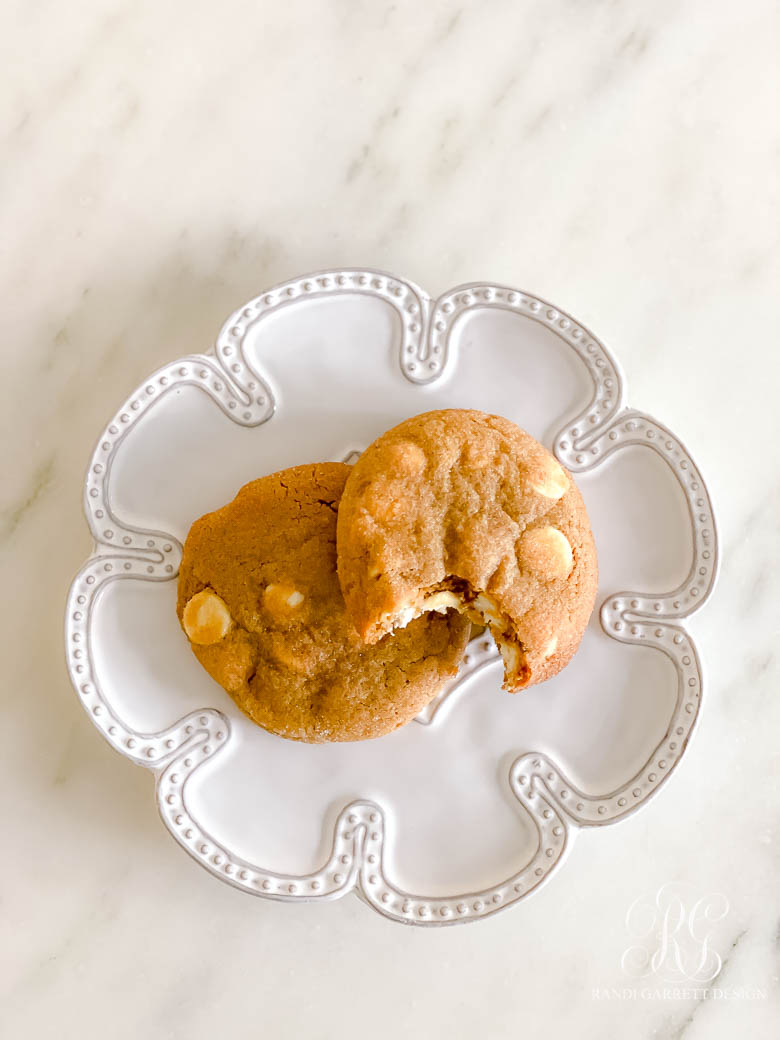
(260,602)
(459,509)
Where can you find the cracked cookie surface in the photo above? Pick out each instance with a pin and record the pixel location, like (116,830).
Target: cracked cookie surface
(458,508)
(260,602)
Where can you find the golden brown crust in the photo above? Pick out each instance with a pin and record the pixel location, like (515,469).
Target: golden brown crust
(466,500)
(290,657)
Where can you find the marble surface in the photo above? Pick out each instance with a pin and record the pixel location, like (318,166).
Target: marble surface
(161,163)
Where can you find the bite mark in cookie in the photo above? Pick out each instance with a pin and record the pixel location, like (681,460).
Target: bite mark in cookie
(456,594)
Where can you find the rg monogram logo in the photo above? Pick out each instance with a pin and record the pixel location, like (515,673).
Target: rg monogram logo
(672,932)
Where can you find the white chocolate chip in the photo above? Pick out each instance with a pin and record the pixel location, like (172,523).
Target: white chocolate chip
(442,601)
(407,457)
(401,617)
(488,608)
(510,654)
(437,601)
(481,607)
(281,599)
(551,647)
(552,482)
(546,552)
(206,618)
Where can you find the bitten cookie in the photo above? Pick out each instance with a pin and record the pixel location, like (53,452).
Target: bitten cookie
(260,602)
(459,509)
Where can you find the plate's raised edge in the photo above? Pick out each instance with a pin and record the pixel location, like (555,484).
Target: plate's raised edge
(410,303)
(232,381)
(357,858)
(605,374)
(111,534)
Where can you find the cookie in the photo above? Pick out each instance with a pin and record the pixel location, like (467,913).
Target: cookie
(260,602)
(459,509)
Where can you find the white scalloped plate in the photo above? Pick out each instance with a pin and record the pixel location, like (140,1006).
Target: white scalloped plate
(467,810)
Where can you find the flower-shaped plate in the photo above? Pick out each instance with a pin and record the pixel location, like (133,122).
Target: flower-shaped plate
(470,808)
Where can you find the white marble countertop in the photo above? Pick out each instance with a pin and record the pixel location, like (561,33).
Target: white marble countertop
(163,162)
